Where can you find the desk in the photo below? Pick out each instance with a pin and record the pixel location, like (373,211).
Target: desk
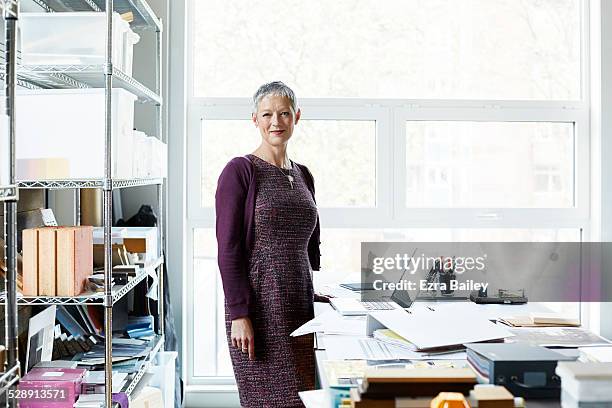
(321,398)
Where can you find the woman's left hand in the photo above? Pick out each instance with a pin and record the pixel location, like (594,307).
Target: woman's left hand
(322,298)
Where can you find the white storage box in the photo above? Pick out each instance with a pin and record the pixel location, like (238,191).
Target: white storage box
(77,38)
(164,371)
(159,166)
(147,397)
(586,382)
(68,125)
(130,39)
(140,158)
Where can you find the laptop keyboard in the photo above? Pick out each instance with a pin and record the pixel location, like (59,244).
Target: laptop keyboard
(377,305)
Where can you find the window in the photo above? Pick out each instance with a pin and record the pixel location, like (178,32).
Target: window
(490,164)
(423,120)
(420,49)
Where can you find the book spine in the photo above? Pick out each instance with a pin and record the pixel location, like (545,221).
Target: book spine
(47,259)
(30,262)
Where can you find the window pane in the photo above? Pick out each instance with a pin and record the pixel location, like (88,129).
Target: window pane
(489,164)
(337,152)
(211,354)
(341,247)
(493,49)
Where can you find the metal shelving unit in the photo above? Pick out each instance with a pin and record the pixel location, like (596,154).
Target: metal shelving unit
(137,376)
(83,76)
(9,378)
(144,17)
(105,76)
(9,195)
(91,298)
(70,184)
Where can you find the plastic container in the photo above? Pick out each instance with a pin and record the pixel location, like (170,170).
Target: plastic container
(68,124)
(51,387)
(164,375)
(140,159)
(76,38)
(130,39)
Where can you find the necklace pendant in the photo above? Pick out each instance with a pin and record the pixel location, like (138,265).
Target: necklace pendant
(290,177)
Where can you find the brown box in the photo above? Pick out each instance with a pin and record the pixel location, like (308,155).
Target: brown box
(493,397)
(74,259)
(47,261)
(30,262)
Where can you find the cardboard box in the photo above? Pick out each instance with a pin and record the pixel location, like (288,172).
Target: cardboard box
(30,262)
(74,259)
(47,261)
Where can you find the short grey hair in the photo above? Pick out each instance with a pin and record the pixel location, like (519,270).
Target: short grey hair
(276,88)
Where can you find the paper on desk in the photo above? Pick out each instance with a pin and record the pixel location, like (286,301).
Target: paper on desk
(338,291)
(428,329)
(332,322)
(315,398)
(368,348)
(558,337)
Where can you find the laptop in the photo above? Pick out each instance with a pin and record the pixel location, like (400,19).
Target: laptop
(400,299)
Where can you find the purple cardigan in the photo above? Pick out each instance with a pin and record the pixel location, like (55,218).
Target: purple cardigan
(235,208)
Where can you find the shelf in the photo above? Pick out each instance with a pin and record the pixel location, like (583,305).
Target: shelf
(9,378)
(144,17)
(64,184)
(83,76)
(136,377)
(93,298)
(8,193)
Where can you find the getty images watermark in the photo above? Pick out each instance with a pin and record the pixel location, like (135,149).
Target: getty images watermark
(444,269)
(543,271)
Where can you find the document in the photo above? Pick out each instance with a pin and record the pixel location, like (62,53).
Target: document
(559,337)
(40,337)
(331,322)
(368,348)
(428,329)
(315,398)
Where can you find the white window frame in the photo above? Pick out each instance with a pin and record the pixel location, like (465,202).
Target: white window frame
(391,116)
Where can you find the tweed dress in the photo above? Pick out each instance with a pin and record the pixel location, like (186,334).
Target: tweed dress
(283,295)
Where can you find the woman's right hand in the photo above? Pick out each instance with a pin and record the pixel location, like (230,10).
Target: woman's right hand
(243,336)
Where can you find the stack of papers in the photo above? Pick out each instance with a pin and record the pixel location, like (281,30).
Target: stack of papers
(596,354)
(427,329)
(558,337)
(90,401)
(540,320)
(368,348)
(93,382)
(390,337)
(332,322)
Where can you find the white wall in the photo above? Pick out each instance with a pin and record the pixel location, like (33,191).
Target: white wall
(602,136)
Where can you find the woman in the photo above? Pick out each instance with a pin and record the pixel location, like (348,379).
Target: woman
(268,240)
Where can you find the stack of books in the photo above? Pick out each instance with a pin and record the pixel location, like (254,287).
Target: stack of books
(409,387)
(585,385)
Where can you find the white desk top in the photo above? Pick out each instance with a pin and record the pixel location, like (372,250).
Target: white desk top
(319,398)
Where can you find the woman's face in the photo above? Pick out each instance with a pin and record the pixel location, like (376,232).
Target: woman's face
(275,119)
